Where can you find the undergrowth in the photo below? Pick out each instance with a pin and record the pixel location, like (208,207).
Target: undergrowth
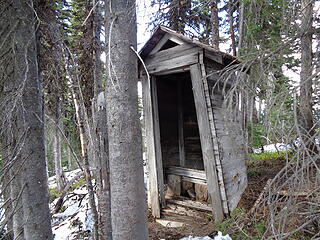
(55,193)
(240,227)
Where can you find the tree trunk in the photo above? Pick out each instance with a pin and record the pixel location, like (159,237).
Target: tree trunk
(306,118)
(57,155)
(128,196)
(31,176)
(231,8)
(215,24)
(102,173)
(82,119)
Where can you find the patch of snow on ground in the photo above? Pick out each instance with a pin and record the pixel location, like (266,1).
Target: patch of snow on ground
(275,147)
(75,218)
(219,236)
(69,175)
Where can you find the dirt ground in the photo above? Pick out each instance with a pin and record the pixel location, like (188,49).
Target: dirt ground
(259,171)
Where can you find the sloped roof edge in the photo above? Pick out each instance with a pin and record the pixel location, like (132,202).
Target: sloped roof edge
(160,31)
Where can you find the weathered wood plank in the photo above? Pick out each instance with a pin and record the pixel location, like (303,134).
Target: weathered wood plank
(174,63)
(191,204)
(151,151)
(206,141)
(163,41)
(156,123)
(181,127)
(214,136)
(214,56)
(187,172)
(194,180)
(178,51)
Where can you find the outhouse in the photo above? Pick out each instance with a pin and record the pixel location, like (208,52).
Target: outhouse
(190,143)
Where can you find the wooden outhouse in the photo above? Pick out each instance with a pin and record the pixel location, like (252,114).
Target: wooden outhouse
(188,138)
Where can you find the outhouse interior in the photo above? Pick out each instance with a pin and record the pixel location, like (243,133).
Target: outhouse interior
(193,152)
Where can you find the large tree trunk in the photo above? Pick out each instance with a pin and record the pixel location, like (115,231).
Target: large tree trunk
(215,24)
(31,176)
(306,118)
(128,196)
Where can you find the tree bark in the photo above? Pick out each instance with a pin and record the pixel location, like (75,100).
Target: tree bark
(231,8)
(57,155)
(102,172)
(128,196)
(306,117)
(30,121)
(215,24)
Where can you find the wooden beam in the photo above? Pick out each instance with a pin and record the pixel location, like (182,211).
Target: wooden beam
(150,144)
(206,141)
(163,40)
(191,204)
(157,141)
(182,156)
(187,172)
(183,61)
(164,55)
(214,56)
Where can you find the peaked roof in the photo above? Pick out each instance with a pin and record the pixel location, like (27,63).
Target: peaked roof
(161,31)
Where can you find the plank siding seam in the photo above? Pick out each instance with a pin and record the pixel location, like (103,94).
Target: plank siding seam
(214,137)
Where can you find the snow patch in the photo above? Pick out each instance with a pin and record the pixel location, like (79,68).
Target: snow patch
(219,236)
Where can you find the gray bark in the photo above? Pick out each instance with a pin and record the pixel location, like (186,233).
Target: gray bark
(102,172)
(128,197)
(31,176)
(215,24)
(306,116)
(57,148)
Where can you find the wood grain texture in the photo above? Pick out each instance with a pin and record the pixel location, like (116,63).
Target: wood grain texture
(151,151)
(206,142)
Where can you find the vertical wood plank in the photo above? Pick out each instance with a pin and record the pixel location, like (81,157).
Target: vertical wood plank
(206,141)
(150,145)
(157,140)
(214,137)
(182,156)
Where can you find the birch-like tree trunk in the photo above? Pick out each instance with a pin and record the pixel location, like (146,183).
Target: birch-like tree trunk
(128,196)
(57,149)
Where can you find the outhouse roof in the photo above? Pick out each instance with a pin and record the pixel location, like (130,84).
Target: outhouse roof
(161,31)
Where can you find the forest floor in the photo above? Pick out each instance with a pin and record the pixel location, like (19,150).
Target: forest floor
(259,171)
(74,220)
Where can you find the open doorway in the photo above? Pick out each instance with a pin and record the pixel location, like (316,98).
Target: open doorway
(183,167)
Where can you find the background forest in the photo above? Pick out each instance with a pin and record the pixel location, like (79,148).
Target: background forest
(69,100)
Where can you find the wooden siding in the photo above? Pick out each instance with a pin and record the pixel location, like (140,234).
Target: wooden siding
(230,140)
(206,142)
